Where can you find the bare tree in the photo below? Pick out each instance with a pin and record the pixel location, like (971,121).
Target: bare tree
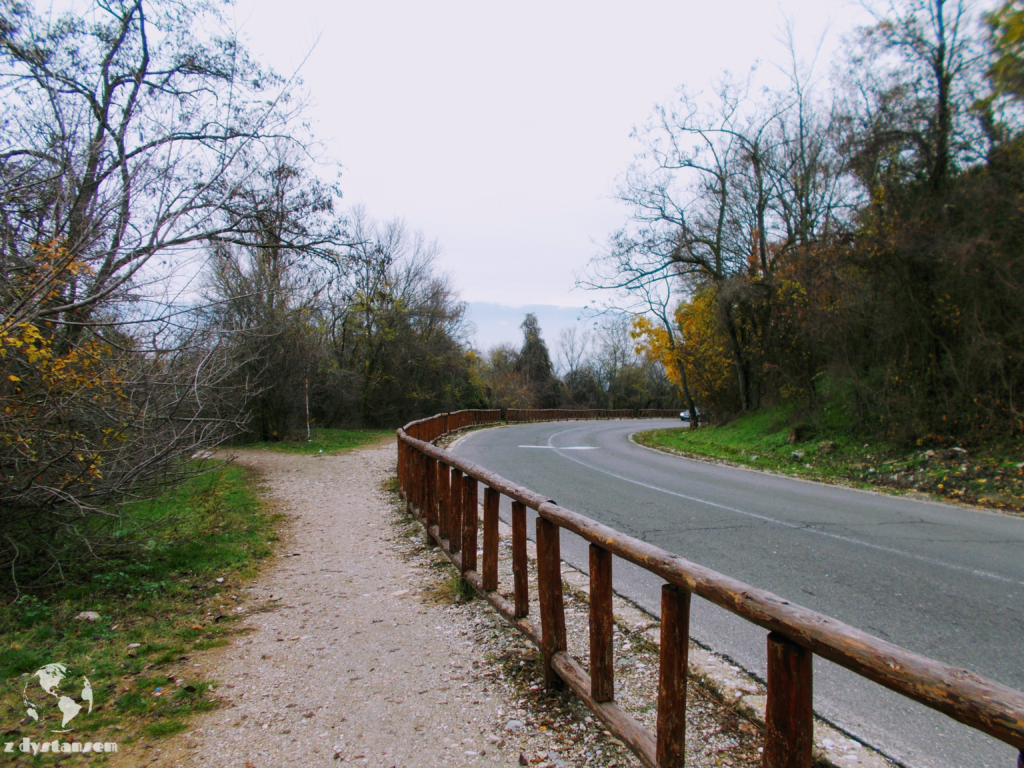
(572,349)
(131,132)
(128,131)
(395,327)
(910,84)
(722,193)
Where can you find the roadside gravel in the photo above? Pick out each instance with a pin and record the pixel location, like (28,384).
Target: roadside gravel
(358,647)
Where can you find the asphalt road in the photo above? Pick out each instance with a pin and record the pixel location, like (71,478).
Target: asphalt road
(944,581)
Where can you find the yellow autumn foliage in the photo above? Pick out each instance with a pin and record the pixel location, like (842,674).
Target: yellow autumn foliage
(57,397)
(700,350)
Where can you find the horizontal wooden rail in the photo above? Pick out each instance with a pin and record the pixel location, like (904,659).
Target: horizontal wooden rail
(527,415)
(795,632)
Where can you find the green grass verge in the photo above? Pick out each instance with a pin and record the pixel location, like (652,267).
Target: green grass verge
(156,610)
(328,441)
(989,475)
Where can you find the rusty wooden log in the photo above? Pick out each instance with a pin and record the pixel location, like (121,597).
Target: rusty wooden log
(407,472)
(491,540)
(421,461)
(424,485)
(417,481)
(455,514)
(602,626)
(444,499)
(988,706)
(470,523)
(430,506)
(520,570)
(410,480)
(549,593)
(789,716)
(675,644)
(983,704)
(402,448)
(618,723)
(504,607)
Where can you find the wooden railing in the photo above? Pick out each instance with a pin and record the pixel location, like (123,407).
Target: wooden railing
(658,413)
(524,415)
(441,490)
(432,428)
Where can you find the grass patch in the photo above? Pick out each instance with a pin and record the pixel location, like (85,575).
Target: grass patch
(990,475)
(328,441)
(164,728)
(156,608)
(454,589)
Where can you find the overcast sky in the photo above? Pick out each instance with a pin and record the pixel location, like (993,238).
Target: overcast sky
(500,128)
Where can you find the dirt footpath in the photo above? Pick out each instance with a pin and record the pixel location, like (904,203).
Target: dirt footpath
(348,665)
(359,647)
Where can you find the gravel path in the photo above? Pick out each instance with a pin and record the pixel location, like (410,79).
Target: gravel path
(357,647)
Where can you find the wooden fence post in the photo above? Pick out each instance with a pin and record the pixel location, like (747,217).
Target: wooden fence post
(789,716)
(520,572)
(675,645)
(401,467)
(443,500)
(430,511)
(455,517)
(470,522)
(417,482)
(602,628)
(491,541)
(549,589)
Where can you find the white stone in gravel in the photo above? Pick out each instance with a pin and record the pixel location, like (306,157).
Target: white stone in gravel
(514,726)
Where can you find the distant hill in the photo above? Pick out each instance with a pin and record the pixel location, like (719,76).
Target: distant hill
(497,324)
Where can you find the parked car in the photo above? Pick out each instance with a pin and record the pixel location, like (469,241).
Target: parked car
(685,415)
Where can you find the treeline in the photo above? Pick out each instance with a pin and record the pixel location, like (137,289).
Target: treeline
(596,367)
(176,273)
(371,335)
(852,246)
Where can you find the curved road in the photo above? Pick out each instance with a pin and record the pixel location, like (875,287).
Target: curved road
(944,581)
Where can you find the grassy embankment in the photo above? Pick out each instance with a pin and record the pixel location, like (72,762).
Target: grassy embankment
(155,609)
(201,543)
(989,475)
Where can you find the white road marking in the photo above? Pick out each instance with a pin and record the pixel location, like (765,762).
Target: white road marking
(563,447)
(794,526)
